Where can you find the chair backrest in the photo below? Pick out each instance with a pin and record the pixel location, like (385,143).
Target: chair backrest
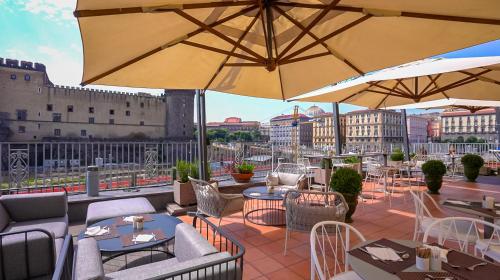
(304,161)
(306,208)
(292,168)
(207,197)
(374,169)
(462,231)
(421,210)
(330,244)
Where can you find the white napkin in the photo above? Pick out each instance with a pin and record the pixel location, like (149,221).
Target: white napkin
(96,231)
(497,204)
(444,252)
(255,194)
(143,238)
(458,202)
(129,219)
(385,254)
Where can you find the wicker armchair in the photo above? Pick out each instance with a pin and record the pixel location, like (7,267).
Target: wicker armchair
(211,202)
(304,209)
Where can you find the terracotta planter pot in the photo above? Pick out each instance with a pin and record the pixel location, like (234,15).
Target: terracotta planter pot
(184,193)
(352,202)
(322,176)
(242,177)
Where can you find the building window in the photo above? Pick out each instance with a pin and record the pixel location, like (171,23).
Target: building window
(142,104)
(21,129)
(56,117)
(141,123)
(128,104)
(70,108)
(111,112)
(57,132)
(127,113)
(21,115)
(13,76)
(91,120)
(91,110)
(83,133)
(49,107)
(27,77)
(111,121)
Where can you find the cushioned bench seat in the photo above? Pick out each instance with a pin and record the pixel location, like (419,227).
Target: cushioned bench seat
(58,226)
(103,210)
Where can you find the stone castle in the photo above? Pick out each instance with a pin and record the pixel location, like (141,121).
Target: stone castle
(32,108)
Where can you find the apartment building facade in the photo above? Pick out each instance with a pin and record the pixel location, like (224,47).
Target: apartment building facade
(481,124)
(373,127)
(281,127)
(234,124)
(417,129)
(323,131)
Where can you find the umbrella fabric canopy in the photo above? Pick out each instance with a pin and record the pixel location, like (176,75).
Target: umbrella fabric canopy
(269,48)
(452,103)
(476,78)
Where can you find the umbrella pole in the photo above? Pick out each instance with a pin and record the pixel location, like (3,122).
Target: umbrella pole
(204,139)
(497,112)
(201,135)
(406,144)
(336,129)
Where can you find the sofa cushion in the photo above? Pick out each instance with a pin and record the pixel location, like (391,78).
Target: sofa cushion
(88,263)
(4,218)
(168,268)
(103,210)
(58,226)
(189,244)
(34,206)
(289,179)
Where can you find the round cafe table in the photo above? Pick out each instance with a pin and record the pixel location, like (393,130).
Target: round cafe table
(264,208)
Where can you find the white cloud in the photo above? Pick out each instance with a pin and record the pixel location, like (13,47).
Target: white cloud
(56,10)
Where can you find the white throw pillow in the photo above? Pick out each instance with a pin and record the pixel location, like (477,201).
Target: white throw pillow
(272,179)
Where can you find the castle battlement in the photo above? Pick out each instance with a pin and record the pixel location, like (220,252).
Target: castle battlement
(27,65)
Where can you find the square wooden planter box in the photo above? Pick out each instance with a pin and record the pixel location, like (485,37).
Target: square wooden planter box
(184,193)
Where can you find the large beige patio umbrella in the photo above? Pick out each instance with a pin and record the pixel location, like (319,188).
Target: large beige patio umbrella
(269,48)
(476,78)
(452,103)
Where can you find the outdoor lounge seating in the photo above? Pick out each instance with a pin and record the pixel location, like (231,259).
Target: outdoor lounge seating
(103,210)
(288,176)
(34,228)
(195,258)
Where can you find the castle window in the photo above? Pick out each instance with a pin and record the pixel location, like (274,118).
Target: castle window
(91,110)
(49,107)
(57,132)
(13,76)
(83,133)
(70,108)
(142,104)
(141,123)
(91,120)
(111,121)
(21,129)
(56,117)
(21,115)
(127,113)
(128,104)
(27,77)
(111,112)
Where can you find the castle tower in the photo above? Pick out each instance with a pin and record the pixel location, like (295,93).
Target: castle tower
(179,123)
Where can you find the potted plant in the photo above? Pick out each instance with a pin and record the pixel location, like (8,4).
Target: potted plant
(183,190)
(322,175)
(348,182)
(397,158)
(355,162)
(243,172)
(472,165)
(434,171)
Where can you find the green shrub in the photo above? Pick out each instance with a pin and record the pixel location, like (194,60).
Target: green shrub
(183,170)
(325,163)
(397,155)
(472,164)
(434,168)
(346,180)
(245,168)
(352,160)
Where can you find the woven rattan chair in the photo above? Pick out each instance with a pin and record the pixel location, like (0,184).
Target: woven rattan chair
(211,202)
(304,209)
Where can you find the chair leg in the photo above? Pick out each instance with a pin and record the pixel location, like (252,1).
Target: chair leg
(286,242)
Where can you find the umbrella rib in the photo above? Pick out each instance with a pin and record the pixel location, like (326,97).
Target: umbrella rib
(431,82)
(371,84)
(323,13)
(457,83)
(221,51)
(479,77)
(158,9)
(243,64)
(233,50)
(389,89)
(323,39)
(408,90)
(168,45)
(219,34)
(278,66)
(393,13)
(306,57)
(309,32)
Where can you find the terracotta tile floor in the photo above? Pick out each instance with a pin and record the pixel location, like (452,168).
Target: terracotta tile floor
(264,245)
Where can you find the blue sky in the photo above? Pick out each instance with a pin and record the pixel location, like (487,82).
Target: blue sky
(46,31)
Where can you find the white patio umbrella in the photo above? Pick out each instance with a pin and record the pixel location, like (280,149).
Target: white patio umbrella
(269,48)
(452,103)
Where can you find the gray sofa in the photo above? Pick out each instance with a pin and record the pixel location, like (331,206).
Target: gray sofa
(33,229)
(195,258)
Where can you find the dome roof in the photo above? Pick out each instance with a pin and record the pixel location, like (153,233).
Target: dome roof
(314,111)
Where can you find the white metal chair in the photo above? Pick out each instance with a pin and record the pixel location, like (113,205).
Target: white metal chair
(423,217)
(452,230)
(308,170)
(330,244)
(375,175)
